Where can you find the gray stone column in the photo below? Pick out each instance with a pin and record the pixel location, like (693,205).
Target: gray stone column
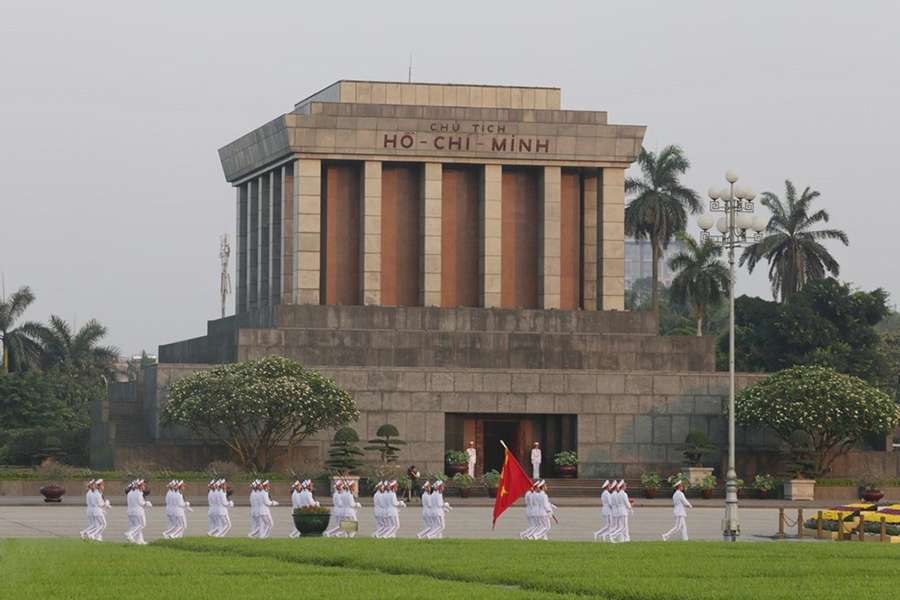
(308,226)
(550,238)
(490,247)
(590,239)
(430,269)
(253,246)
(612,237)
(371,222)
(240,269)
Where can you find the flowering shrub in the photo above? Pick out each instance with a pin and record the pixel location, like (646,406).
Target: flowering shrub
(832,410)
(259,409)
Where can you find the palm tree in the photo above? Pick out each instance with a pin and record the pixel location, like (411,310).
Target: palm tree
(62,347)
(659,208)
(794,251)
(702,279)
(19,344)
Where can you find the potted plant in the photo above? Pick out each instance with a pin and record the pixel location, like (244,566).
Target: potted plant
(870,483)
(566,463)
(650,483)
(52,472)
(464,484)
(344,456)
(739,483)
(491,480)
(387,444)
(696,446)
(764,484)
(457,462)
(707,485)
(800,485)
(311,520)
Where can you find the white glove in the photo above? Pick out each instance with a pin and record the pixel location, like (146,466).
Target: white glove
(148,505)
(317,504)
(189,509)
(274,503)
(402,504)
(448,507)
(358,505)
(230,504)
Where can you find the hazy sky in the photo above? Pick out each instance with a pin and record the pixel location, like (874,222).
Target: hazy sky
(112,198)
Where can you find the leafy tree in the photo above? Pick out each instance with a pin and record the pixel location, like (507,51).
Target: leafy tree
(792,248)
(260,409)
(833,410)
(659,207)
(673,316)
(702,280)
(343,456)
(827,323)
(19,345)
(696,446)
(81,349)
(387,443)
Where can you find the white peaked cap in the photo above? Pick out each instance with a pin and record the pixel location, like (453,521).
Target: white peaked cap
(98,481)
(393,482)
(212,482)
(221,482)
(605,483)
(266,482)
(426,483)
(438,483)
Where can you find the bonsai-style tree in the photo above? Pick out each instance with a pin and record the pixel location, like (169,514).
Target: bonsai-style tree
(260,409)
(387,444)
(821,412)
(696,446)
(344,456)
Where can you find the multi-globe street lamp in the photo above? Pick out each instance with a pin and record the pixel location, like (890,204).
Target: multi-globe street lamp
(736,228)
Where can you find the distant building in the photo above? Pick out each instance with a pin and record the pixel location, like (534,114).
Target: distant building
(639,262)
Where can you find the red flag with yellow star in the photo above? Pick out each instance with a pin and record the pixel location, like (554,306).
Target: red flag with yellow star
(514,482)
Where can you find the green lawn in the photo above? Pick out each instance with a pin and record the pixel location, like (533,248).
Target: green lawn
(365,568)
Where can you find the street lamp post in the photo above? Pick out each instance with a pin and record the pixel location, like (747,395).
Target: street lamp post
(737,227)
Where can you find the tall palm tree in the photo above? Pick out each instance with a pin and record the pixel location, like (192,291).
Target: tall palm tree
(702,279)
(660,203)
(62,347)
(793,249)
(19,344)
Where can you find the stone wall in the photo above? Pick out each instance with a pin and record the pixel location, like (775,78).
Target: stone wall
(627,422)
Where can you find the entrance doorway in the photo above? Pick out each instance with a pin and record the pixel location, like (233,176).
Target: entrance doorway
(494,432)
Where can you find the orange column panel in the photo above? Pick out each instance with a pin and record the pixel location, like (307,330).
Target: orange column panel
(340,244)
(401,199)
(459,236)
(570,239)
(520,231)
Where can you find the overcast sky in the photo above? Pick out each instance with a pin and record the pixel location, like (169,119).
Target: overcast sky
(112,199)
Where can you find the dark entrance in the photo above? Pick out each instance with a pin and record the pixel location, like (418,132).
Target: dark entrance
(494,431)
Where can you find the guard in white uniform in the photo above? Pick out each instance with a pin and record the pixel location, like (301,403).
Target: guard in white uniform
(99,508)
(182,507)
(212,513)
(605,514)
(222,505)
(622,509)
(544,509)
(472,455)
(137,518)
(679,505)
(536,461)
(302,498)
(170,509)
(296,488)
(350,507)
(440,508)
(529,514)
(379,512)
(392,504)
(255,522)
(337,509)
(265,512)
(88,510)
(427,511)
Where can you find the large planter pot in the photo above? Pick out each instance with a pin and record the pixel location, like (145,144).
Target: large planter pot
(873,495)
(53,492)
(311,523)
(567,471)
(800,489)
(454,469)
(649,492)
(696,475)
(706,494)
(465,492)
(492,492)
(763,494)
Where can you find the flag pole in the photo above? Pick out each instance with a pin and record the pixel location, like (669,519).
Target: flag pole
(502,443)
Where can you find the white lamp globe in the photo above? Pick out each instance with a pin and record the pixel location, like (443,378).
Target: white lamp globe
(749,194)
(731,176)
(713,193)
(739,192)
(705,221)
(760,223)
(722,225)
(725,194)
(744,220)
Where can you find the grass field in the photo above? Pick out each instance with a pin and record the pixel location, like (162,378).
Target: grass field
(198,568)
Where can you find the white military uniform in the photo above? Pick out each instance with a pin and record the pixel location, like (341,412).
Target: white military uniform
(171,511)
(535,463)
(473,456)
(544,510)
(605,514)
(87,532)
(222,507)
(392,504)
(621,509)
(255,522)
(440,508)
(529,515)
(302,498)
(265,512)
(338,510)
(379,512)
(212,513)
(137,518)
(295,504)
(427,512)
(680,505)
(182,507)
(98,508)
(350,508)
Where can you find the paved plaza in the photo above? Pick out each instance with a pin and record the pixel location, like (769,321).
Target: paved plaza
(576,522)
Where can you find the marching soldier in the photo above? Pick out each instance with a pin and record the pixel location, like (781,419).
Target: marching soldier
(137,517)
(440,509)
(621,510)
(170,509)
(182,507)
(255,522)
(605,514)
(379,511)
(427,511)
(529,513)
(222,505)
(679,505)
(337,509)
(212,514)
(296,498)
(101,505)
(393,514)
(89,505)
(265,512)
(350,506)
(544,509)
